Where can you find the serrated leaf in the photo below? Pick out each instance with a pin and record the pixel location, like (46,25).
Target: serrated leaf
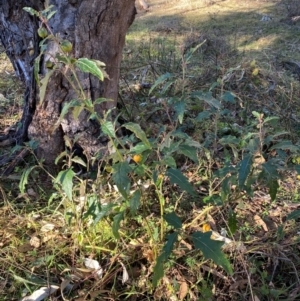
(270,170)
(179,109)
(139,133)
(65,178)
(135,201)
(160,80)
(89,66)
(273,188)
(211,249)
(173,220)
(169,161)
(116,224)
(244,170)
(228,97)
(208,98)
(44,83)
(139,148)
(293,215)
(158,271)
(176,177)
(24,178)
(105,210)
(121,179)
(189,151)
(108,128)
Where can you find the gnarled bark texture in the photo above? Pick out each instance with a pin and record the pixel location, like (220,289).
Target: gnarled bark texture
(97,30)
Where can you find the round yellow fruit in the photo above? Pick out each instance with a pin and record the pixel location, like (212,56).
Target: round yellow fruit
(137,158)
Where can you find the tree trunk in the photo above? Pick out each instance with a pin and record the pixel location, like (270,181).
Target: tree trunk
(97,30)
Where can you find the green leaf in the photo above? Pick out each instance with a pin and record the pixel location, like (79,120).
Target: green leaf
(293,215)
(228,97)
(116,224)
(105,210)
(121,179)
(24,178)
(93,208)
(101,100)
(78,160)
(169,161)
(89,66)
(203,116)
(208,98)
(270,170)
(176,177)
(139,133)
(135,201)
(158,271)
(160,80)
(273,188)
(65,178)
(285,145)
(189,151)
(44,83)
(179,108)
(139,148)
(31,11)
(173,220)
(232,221)
(244,170)
(211,249)
(108,128)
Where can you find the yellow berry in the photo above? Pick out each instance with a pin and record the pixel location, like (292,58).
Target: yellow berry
(137,158)
(206,227)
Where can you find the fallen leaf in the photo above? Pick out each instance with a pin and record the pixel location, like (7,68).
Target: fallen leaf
(35,242)
(260,222)
(183,290)
(41,293)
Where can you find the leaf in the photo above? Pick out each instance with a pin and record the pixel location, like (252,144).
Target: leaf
(158,271)
(78,160)
(273,188)
(44,83)
(116,224)
(135,201)
(94,265)
(228,97)
(108,128)
(183,290)
(139,133)
(120,177)
(208,98)
(203,116)
(173,220)
(89,66)
(176,177)
(179,108)
(31,11)
(169,161)
(189,151)
(285,145)
(24,178)
(160,80)
(65,178)
(42,293)
(232,222)
(211,249)
(270,170)
(293,215)
(244,170)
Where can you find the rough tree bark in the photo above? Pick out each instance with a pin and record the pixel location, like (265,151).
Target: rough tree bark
(97,30)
